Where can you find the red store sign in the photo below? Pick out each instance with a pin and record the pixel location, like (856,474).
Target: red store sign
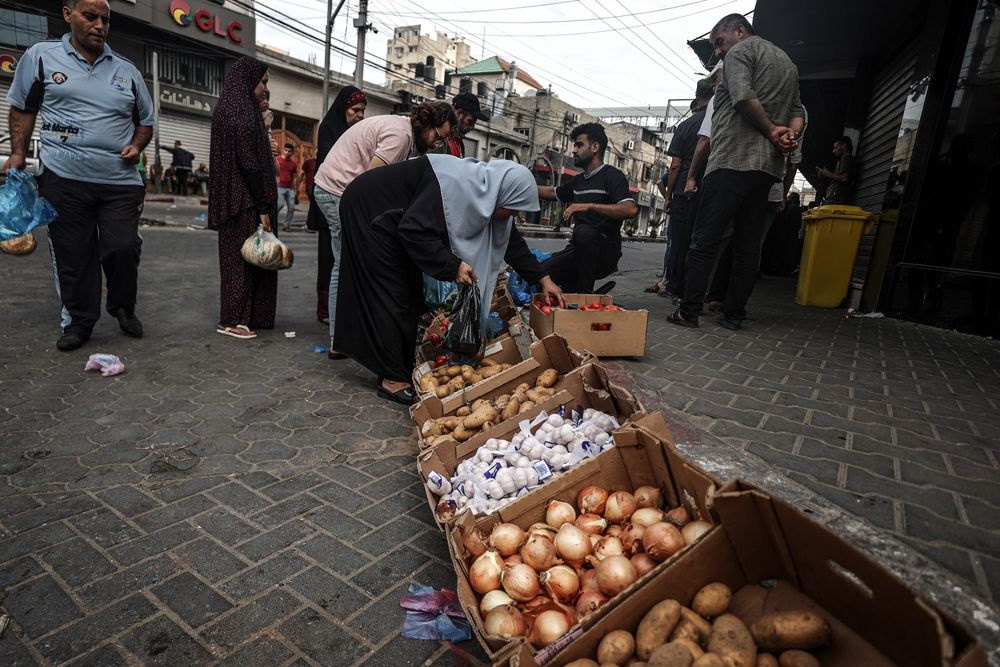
(184,15)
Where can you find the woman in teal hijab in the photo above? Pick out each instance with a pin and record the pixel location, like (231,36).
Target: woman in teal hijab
(447,217)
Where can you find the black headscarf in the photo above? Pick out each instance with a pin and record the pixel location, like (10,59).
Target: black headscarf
(239,144)
(334,123)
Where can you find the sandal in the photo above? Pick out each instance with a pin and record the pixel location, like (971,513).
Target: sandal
(655,287)
(239,331)
(678,319)
(405,396)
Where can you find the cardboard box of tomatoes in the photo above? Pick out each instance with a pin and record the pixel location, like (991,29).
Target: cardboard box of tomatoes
(593,322)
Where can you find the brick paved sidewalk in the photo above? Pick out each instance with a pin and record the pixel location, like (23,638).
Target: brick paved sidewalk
(252,502)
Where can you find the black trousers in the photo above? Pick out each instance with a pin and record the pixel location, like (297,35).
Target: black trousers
(183,179)
(97,228)
(590,255)
(682,215)
(739,197)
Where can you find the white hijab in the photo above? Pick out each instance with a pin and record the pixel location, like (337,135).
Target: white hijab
(470,191)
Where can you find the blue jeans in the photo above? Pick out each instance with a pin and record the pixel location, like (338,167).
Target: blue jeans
(287,197)
(329,205)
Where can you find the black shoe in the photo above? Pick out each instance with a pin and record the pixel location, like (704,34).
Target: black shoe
(405,396)
(605,288)
(70,341)
(330,354)
(728,324)
(678,319)
(128,322)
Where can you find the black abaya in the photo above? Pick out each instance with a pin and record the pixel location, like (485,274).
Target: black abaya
(393,226)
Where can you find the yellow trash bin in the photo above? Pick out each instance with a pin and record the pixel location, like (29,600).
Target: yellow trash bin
(833,234)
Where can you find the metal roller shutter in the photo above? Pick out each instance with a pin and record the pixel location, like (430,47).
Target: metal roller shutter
(194,133)
(5,112)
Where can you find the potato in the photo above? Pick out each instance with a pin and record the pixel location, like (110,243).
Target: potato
(456,383)
(582,662)
(511,409)
(731,640)
(449,423)
(454,371)
(481,415)
(685,629)
(474,378)
(463,411)
(636,663)
(431,428)
(428,383)
(617,648)
(786,630)
(443,391)
(523,387)
(655,627)
(466,368)
(434,439)
(703,626)
(671,655)
(547,378)
(462,434)
(796,658)
(506,367)
(488,363)
(708,660)
(501,401)
(468,375)
(712,600)
(694,647)
(525,406)
(489,371)
(766,660)
(479,403)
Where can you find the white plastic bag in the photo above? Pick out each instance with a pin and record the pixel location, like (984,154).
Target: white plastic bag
(264,250)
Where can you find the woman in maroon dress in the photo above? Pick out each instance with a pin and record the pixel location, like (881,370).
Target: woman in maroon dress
(242,195)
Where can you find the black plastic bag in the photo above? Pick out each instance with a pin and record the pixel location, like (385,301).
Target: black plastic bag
(464,340)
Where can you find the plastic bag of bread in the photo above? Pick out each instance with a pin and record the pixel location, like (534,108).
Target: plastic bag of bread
(19,245)
(263,249)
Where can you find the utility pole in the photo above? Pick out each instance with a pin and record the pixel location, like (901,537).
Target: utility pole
(326,57)
(361,23)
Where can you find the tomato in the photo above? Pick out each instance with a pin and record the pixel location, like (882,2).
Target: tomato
(546,310)
(604,327)
(612,309)
(596,305)
(434,338)
(440,361)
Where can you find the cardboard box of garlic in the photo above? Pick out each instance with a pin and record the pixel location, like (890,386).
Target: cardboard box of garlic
(768,587)
(498,466)
(582,544)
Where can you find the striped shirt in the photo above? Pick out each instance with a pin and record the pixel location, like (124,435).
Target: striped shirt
(604,185)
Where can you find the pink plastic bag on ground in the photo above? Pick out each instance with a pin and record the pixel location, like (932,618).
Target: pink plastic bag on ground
(108,364)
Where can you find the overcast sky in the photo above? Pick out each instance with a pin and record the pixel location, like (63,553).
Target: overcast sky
(635,55)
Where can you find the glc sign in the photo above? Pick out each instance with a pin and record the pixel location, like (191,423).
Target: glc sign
(183,14)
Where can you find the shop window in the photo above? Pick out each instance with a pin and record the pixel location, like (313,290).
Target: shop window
(20,29)
(194,71)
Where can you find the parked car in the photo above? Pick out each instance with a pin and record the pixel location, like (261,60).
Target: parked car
(33,151)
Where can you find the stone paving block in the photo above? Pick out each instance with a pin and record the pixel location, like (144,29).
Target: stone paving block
(56,511)
(174,512)
(821,470)
(338,524)
(289,487)
(250,618)
(193,601)
(395,566)
(321,640)
(15,571)
(39,538)
(334,554)
(329,593)
(104,527)
(874,463)
(77,562)
(174,491)
(13,653)
(384,617)
(285,510)
(261,652)
(128,500)
(154,543)
(878,510)
(402,651)
(915,473)
(982,514)
(275,540)
(239,497)
(40,606)
(727,429)
(345,499)
(225,526)
(388,508)
(162,642)
(209,559)
(991,569)
(925,525)
(92,630)
(269,573)
(710,409)
(384,539)
(106,656)
(128,581)
(16,505)
(956,560)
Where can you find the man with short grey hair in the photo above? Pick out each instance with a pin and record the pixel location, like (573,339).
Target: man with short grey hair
(97,117)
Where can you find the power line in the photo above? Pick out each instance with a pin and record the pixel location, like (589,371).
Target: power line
(653,33)
(535,22)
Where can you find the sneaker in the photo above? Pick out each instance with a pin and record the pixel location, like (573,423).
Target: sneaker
(128,322)
(70,341)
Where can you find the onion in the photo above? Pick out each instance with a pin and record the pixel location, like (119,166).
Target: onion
(559,513)
(643,563)
(591,523)
(620,506)
(632,537)
(614,531)
(543,530)
(505,621)
(561,582)
(589,602)
(520,582)
(592,500)
(445,510)
(549,626)
(475,543)
(506,538)
(572,544)
(678,516)
(588,581)
(649,496)
(594,539)
(662,540)
(694,530)
(493,599)
(608,546)
(484,575)
(513,560)
(539,553)
(646,516)
(615,574)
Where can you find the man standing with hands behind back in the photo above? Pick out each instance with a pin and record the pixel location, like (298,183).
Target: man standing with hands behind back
(598,201)
(97,117)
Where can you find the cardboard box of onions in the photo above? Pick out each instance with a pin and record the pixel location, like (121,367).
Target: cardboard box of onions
(769,587)
(565,555)
(525,454)
(451,415)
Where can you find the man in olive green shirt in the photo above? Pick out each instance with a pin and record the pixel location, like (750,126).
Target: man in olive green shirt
(755,126)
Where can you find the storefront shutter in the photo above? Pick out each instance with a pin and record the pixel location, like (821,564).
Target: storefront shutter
(194,133)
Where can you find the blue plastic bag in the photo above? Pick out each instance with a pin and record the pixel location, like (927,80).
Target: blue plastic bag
(21,209)
(434,614)
(520,290)
(436,292)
